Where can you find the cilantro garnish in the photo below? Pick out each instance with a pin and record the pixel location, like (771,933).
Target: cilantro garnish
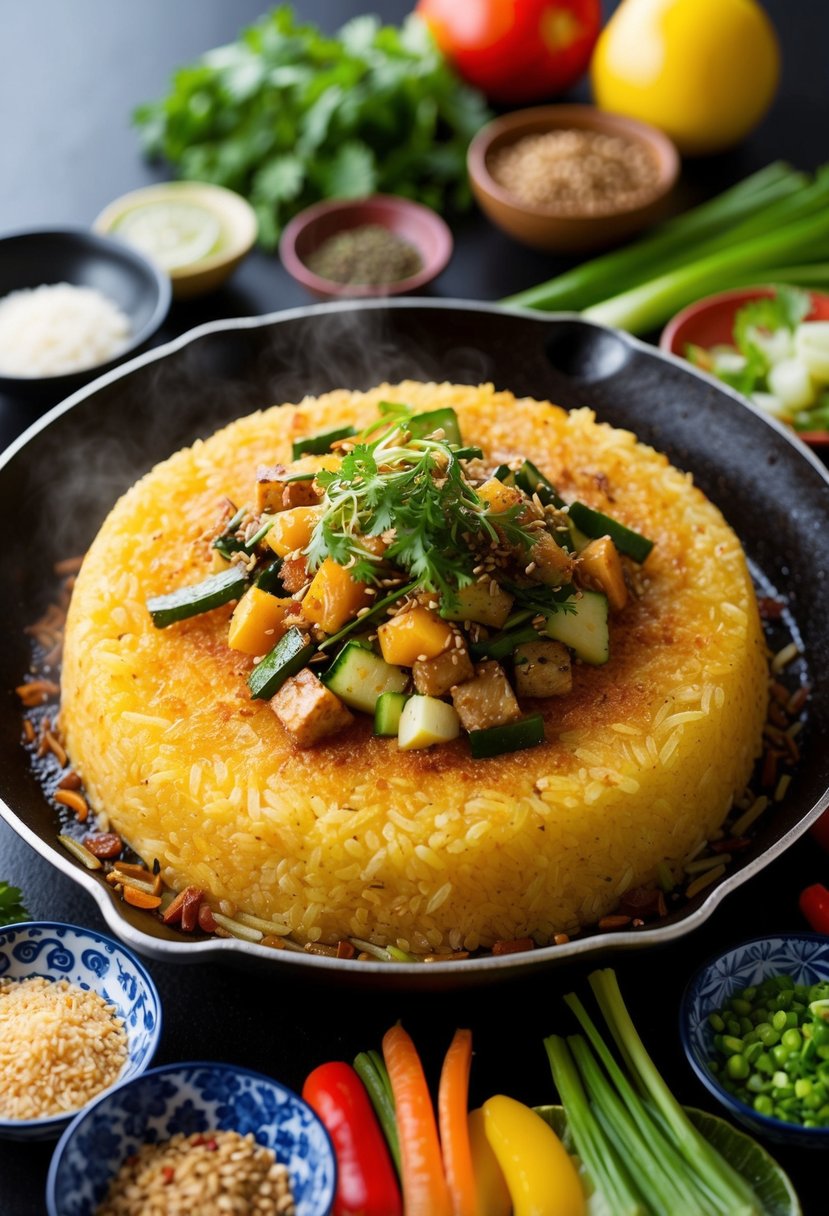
(287,115)
(413,493)
(11,908)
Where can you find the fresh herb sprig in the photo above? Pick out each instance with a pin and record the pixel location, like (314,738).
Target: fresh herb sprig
(11,906)
(414,493)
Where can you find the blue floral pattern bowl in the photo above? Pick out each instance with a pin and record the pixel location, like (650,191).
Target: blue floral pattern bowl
(803,956)
(92,961)
(189,1098)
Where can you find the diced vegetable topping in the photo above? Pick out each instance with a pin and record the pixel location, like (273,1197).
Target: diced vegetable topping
(215,590)
(429,589)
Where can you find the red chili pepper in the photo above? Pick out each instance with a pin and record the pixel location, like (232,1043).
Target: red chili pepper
(814,904)
(366,1180)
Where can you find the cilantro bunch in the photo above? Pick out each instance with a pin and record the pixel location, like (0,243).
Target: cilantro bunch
(287,115)
(11,908)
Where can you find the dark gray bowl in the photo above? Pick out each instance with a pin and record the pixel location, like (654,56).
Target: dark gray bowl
(769,486)
(84,259)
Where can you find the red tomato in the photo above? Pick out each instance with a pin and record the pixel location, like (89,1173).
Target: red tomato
(814,904)
(515,50)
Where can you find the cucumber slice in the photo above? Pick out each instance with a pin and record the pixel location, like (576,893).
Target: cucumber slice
(531,480)
(594,524)
(478,602)
(423,424)
(505,474)
(190,601)
(387,713)
(359,677)
(509,737)
(318,445)
(426,720)
(583,627)
(290,654)
(269,579)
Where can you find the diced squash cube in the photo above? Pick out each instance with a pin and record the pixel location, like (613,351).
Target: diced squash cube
(434,677)
(487,700)
(425,721)
(486,603)
(500,497)
(412,635)
(333,597)
(258,622)
(600,569)
(308,710)
(553,565)
(292,529)
(542,669)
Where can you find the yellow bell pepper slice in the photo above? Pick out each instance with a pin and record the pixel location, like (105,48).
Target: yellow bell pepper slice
(540,1175)
(493,1196)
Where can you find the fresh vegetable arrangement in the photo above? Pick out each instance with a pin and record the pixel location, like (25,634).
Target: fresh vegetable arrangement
(451,570)
(11,905)
(287,115)
(621,1144)
(515,51)
(773,225)
(778,359)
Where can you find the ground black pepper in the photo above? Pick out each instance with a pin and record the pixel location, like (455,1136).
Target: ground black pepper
(369,254)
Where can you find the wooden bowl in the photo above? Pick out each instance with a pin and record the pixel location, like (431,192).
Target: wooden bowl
(710,322)
(546,227)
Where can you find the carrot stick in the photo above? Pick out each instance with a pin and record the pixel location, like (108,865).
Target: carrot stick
(425,1192)
(453,1104)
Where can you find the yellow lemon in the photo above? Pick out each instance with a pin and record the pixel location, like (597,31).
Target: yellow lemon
(704,71)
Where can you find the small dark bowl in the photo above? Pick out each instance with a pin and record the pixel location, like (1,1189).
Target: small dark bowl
(417,224)
(84,259)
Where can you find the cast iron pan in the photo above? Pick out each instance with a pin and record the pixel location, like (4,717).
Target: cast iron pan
(60,479)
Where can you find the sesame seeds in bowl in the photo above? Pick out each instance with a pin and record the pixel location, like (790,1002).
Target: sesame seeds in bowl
(78,1014)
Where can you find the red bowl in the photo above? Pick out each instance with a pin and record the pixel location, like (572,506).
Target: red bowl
(417,224)
(710,322)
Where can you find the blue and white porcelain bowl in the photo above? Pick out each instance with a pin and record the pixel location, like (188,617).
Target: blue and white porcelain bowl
(189,1098)
(803,956)
(92,961)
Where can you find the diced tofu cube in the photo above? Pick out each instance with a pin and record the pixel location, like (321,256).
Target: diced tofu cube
(308,710)
(434,677)
(542,669)
(486,603)
(334,597)
(291,530)
(487,700)
(600,569)
(258,622)
(275,493)
(553,565)
(412,635)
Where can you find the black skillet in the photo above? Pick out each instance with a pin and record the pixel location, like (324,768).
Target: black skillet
(58,481)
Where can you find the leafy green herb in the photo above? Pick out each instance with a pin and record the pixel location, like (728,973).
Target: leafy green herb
(11,907)
(784,310)
(414,492)
(287,115)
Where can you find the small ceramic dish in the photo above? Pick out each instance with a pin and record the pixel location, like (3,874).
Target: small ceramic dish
(419,225)
(553,230)
(710,322)
(804,957)
(83,259)
(190,1098)
(90,960)
(228,226)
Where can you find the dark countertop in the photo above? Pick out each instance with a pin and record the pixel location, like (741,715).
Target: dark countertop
(69,77)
